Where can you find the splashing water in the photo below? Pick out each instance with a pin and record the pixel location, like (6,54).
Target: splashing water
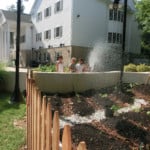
(104,57)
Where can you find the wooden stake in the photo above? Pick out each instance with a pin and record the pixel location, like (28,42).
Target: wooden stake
(66,139)
(56,132)
(81,146)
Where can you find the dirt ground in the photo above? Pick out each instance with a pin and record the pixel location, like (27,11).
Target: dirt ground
(127,131)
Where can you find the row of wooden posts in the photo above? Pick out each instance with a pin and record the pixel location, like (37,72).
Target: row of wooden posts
(43,132)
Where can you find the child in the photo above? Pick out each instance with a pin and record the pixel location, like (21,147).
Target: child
(59,64)
(72,66)
(80,66)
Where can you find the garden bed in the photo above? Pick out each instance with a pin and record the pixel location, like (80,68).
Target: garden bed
(115,131)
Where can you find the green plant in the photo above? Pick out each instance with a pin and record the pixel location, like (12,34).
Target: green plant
(78,98)
(142,68)
(138,68)
(46,68)
(2,75)
(114,108)
(130,68)
(105,95)
(148,112)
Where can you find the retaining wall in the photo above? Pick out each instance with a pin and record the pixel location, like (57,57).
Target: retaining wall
(68,82)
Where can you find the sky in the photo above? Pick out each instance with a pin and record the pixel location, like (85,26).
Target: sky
(4,4)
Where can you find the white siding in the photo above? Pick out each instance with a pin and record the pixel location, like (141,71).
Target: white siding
(89,22)
(62,18)
(26,30)
(133,35)
(4,48)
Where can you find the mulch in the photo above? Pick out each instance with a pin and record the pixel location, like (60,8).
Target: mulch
(128,131)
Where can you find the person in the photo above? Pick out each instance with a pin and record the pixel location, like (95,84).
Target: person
(80,66)
(60,64)
(72,65)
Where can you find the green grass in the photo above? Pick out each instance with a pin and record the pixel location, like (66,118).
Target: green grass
(11,137)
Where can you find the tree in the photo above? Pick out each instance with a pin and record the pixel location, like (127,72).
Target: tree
(143,17)
(14,9)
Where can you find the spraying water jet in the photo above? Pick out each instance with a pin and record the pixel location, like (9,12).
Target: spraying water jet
(105,57)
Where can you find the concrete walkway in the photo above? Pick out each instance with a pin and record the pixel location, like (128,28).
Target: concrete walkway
(14,69)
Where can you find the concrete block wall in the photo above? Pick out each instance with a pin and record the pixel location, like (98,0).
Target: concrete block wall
(134,77)
(78,82)
(10,81)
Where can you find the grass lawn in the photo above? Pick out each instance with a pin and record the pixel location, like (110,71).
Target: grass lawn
(11,137)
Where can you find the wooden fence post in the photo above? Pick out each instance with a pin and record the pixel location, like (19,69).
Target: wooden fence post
(35,117)
(43,128)
(48,127)
(28,112)
(56,132)
(43,133)
(81,146)
(32,113)
(39,120)
(66,139)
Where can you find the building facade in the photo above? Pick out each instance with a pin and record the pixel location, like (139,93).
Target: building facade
(72,27)
(8,37)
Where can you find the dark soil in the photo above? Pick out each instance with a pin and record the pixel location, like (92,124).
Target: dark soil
(128,131)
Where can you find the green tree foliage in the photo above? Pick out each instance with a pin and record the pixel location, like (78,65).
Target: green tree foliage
(13,8)
(143,17)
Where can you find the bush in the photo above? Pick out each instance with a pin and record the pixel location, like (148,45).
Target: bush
(138,68)
(2,75)
(142,68)
(130,68)
(46,68)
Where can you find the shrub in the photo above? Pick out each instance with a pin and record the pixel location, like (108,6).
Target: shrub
(142,68)
(130,68)
(2,75)
(46,68)
(138,68)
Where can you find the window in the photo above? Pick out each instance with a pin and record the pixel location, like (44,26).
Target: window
(11,39)
(121,16)
(58,32)
(57,54)
(22,39)
(39,37)
(39,16)
(47,34)
(47,12)
(110,14)
(58,6)
(114,38)
(116,15)
(109,37)
(119,38)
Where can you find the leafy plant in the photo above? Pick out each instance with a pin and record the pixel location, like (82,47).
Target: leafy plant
(46,68)
(138,68)
(78,98)
(142,68)
(114,107)
(148,113)
(105,95)
(143,18)
(2,74)
(130,68)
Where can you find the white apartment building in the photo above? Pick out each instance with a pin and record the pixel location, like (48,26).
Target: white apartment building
(72,27)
